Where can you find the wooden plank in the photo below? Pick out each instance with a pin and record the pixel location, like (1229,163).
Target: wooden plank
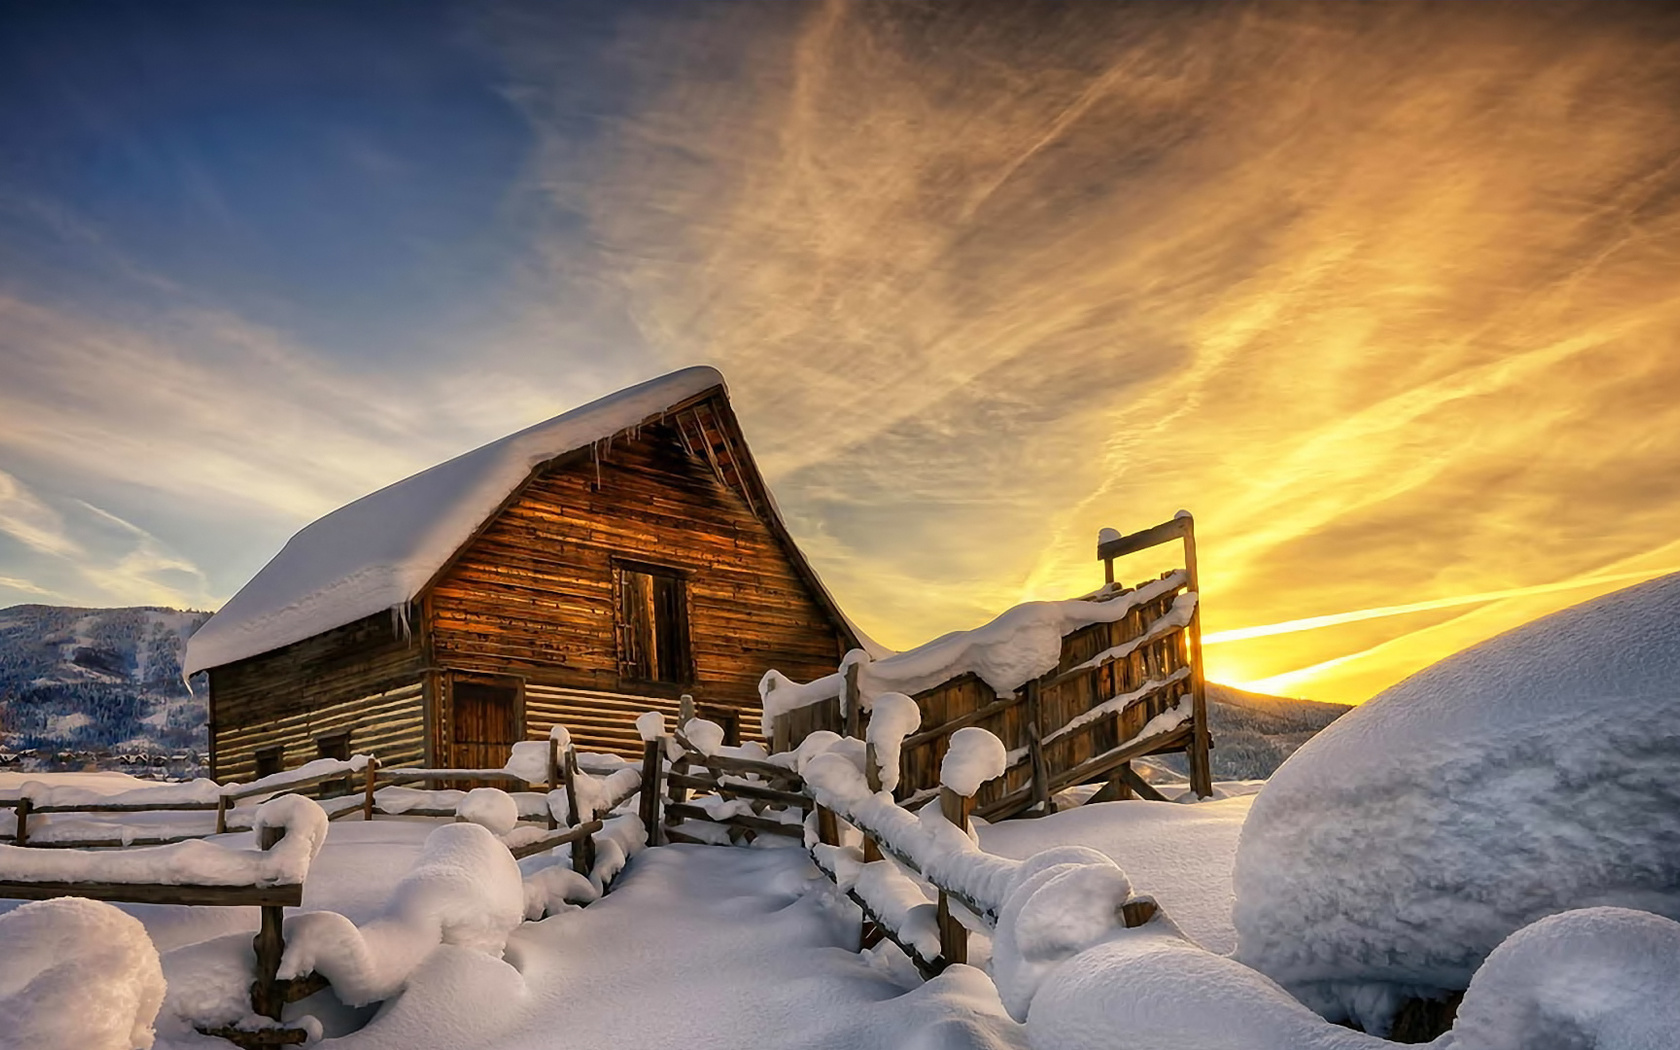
(231,896)
(974,717)
(765,794)
(1143,539)
(543,845)
(690,811)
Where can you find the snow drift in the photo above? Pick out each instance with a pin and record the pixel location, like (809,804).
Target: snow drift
(75,972)
(1535,773)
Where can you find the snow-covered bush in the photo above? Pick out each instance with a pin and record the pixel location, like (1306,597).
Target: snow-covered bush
(1535,773)
(77,973)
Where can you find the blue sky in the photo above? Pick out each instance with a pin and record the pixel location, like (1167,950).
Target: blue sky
(1384,293)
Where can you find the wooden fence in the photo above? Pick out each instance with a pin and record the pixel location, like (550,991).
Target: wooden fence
(269,994)
(1114,696)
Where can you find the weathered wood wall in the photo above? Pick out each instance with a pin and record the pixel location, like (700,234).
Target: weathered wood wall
(364,677)
(532,596)
(1063,694)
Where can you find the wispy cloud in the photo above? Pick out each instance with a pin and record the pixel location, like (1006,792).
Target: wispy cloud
(1383,294)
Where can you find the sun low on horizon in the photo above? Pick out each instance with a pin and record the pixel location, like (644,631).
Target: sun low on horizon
(1385,295)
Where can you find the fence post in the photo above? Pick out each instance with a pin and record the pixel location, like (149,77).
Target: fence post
(853,702)
(583,850)
(652,765)
(367,787)
(781,734)
(221,814)
(269,945)
(553,778)
(685,711)
(1035,751)
(1201,766)
(953,936)
(21,836)
(872,775)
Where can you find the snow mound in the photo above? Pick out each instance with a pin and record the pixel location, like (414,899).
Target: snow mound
(465,889)
(894,717)
(79,973)
(1605,978)
(1530,775)
(378,552)
(490,808)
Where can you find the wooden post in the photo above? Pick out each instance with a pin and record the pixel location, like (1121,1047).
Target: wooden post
(221,814)
(1108,572)
(21,836)
(368,776)
(781,734)
(685,711)
(852,700)
(652,764)
(1201,768)
(1043,803)
(553,778)
(583,850)
(953,936)
(871,774)
(266,997)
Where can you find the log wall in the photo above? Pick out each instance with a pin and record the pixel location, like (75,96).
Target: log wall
(364,677)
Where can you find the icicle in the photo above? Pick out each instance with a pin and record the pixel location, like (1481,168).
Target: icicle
(400,623)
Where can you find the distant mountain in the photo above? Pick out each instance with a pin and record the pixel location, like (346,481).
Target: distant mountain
(101,687)
(1253,733)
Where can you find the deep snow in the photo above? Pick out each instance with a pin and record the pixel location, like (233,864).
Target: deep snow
(1534,773)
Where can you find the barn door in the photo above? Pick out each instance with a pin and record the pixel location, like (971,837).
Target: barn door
(486,722)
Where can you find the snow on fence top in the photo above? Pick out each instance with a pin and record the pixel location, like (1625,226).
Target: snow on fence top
(191,863)
(1019,645)
(380,551)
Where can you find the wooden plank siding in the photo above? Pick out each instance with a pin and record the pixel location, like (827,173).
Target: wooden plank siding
(1064,694)
(532,595)
(363,677)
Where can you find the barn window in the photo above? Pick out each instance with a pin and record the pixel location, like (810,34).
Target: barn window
(270,760)
(652,624)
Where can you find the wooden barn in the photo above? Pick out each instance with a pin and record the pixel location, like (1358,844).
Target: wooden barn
(581,571)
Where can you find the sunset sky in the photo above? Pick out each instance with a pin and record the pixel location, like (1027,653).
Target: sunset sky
(1387,295)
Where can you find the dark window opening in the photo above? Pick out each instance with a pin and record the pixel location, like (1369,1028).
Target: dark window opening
(270,760)
(334,745)
(652,625)
(726,717)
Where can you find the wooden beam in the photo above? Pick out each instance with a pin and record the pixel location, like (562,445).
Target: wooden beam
(1153,536)
(125,893)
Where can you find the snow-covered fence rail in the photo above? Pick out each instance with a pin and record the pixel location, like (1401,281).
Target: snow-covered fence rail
(1077,690)
(902,855)
(290,832)
(739,793)
(100,813)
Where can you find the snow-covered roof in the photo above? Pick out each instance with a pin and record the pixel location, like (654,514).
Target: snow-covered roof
(382,550)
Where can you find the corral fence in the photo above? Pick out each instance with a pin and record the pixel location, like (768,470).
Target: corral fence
(1121,690)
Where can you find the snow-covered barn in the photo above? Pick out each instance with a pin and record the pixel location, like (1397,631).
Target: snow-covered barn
(584,570)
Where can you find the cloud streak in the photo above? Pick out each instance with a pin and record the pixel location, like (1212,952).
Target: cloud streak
(1383,294)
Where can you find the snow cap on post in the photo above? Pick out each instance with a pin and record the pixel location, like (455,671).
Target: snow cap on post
(893,717)
(560,735)
(1107,536)
(974,757)
(705,735)
(650,725)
